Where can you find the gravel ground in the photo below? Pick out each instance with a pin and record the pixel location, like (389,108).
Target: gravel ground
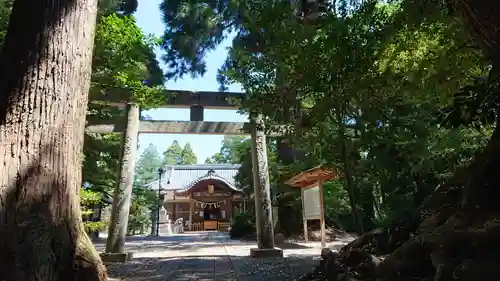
(209,256)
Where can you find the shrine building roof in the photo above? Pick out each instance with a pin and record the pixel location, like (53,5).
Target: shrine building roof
(183,177)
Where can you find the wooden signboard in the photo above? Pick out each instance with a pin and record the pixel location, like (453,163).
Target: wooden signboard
(311,204)
(313,208)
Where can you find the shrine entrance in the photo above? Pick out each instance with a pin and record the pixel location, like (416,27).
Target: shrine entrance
(212,219)
(131,124)
(206,202)
(211,213)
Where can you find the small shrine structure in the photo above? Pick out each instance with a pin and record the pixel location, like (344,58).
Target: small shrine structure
(202,196)
(310,183)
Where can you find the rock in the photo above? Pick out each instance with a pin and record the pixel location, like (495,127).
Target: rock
(346,277)
(326,252)
(478,269)
(310,276)
(279,239)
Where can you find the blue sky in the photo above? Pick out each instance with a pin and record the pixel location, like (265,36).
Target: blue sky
(150,20)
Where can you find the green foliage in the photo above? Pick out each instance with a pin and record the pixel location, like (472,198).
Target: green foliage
(192,29)
(244,178)
(172,156)
(370,88)
(100,163)
(89,199)
(242,225)
(176,155)
(125,7)
(140,210)
(144,200)
(123,61)
(232,151)
(188,156)
(146,168)
(384,82)
(5,9)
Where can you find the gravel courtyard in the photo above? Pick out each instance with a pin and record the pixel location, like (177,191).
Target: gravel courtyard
(204,256)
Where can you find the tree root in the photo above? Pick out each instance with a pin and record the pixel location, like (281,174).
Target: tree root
(38,250)
(445,243)
(453,234)
(464,247)
(88,263)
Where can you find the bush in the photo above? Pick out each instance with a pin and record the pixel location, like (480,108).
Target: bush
(89,199)
(243,224)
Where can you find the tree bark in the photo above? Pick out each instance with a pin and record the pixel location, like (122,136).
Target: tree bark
(482,19)
(347,170)
(45,79)
(286,156)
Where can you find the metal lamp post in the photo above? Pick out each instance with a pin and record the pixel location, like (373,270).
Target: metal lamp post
(160,172)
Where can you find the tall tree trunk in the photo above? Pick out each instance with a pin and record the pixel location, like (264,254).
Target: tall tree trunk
(344,153)
(483,20)
(46,66)
(286,156)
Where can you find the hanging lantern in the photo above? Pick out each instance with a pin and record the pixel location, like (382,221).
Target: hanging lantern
(210,189)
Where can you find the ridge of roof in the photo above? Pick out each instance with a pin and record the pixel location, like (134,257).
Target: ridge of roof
(203,166)
(177,177)
(209,177)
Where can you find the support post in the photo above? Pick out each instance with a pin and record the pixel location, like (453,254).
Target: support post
(304,219)
(122,196)
(160,203)
(196,113)
(322,214)
(262,190)
(153,221)
(190,213)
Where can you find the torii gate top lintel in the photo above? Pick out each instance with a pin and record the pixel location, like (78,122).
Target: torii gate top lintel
(195,101)
(181,99)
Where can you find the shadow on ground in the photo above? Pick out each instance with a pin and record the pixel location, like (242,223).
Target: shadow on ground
(212,268)
(177,243)
(284,246)
(292,246)
(177,237)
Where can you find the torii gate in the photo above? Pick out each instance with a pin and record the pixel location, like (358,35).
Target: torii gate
(197,102)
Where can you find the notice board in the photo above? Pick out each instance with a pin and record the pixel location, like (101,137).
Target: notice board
(312,203)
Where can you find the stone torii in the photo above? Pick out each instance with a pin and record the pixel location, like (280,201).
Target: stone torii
(131,125)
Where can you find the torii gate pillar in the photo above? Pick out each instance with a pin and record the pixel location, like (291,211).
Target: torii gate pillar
(262,190)
(122,196)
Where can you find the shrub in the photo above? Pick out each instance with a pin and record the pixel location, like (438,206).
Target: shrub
(88,199)
(243,224)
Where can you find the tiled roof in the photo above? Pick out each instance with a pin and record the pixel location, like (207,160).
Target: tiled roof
(179,177)
(211,177)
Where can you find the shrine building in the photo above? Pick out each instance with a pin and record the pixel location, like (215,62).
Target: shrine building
(202,196)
